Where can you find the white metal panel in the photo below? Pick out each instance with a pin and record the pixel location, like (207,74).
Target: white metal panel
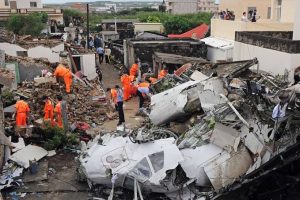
(89,66)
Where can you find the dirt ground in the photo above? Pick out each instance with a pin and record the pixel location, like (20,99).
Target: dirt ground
(110,79)
(61,182)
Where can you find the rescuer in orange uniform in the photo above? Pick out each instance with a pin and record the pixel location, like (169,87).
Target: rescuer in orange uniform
(22,111)
(126,83)
(65,73)
(134,69)
(113,96)
(144,84)
(48,109)
(58,113)
(162,73)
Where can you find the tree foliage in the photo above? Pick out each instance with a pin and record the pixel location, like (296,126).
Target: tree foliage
(181,23)
(174,24)
(31,24)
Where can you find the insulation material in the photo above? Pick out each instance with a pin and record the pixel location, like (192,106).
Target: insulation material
(29,153)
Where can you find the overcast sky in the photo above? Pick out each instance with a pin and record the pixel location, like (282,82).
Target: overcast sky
(64,1)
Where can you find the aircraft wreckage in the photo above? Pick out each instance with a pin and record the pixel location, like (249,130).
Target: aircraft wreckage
(230,135)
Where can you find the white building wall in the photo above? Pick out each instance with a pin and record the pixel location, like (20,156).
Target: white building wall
(89,66)
(52,54)
(182,7)
(217,54)
(26,3)
(271,61)
(11,49)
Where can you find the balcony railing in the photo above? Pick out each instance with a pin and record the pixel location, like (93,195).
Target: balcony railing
(268,41)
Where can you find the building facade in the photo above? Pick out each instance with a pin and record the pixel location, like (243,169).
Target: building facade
(208,6)
(21,4)
(190,6)
(181,7)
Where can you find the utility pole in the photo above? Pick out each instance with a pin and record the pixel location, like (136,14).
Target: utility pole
(88,25)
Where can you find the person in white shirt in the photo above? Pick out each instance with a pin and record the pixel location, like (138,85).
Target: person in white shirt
(107,52)
(244,17)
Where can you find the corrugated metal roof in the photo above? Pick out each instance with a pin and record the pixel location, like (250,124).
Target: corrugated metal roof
(218,42)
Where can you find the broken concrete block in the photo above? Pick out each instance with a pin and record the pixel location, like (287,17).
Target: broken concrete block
(41,80)
(29,153)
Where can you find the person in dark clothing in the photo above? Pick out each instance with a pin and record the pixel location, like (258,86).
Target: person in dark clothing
(100,52)
(97,42)
(120,105)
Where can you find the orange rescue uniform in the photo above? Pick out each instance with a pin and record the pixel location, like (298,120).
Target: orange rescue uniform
(58,113)
(162,74)
(134,69)
(63,72)
(144,84)
(48,110)
(22,109)
(126,83)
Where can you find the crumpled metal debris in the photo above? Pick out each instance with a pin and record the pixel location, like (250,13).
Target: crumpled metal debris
(228,134)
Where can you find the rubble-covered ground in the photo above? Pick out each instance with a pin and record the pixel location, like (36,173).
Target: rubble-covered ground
(210,133)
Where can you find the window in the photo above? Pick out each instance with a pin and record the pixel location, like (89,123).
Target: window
(142,170)
(278,12)
(269,13)
(6,3)
(33,4)
(157,160)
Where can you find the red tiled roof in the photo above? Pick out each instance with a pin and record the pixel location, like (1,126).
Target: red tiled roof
(196,33)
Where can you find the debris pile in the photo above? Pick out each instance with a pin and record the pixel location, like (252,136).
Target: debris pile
(85,104)
(229,132)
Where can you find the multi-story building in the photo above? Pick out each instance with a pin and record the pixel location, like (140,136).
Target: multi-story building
(181,7)
(21,4)
(24,7)
(208,6)
(190,6)
(274,39)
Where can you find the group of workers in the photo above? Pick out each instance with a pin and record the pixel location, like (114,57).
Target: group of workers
(52,114)
(130,88)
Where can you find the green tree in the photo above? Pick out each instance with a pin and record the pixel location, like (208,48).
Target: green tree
(34,24)
(153,19)
(31,24)
(15,23)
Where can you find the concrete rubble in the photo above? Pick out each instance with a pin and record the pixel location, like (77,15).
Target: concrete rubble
(227,134)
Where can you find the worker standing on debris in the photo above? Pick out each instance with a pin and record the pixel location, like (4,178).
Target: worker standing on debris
(113,96)
(120,104)
(163,73)
(65,73)
(126,83)
(58,112)
(22,111)
(134,69)
(48,109)
(142,92)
